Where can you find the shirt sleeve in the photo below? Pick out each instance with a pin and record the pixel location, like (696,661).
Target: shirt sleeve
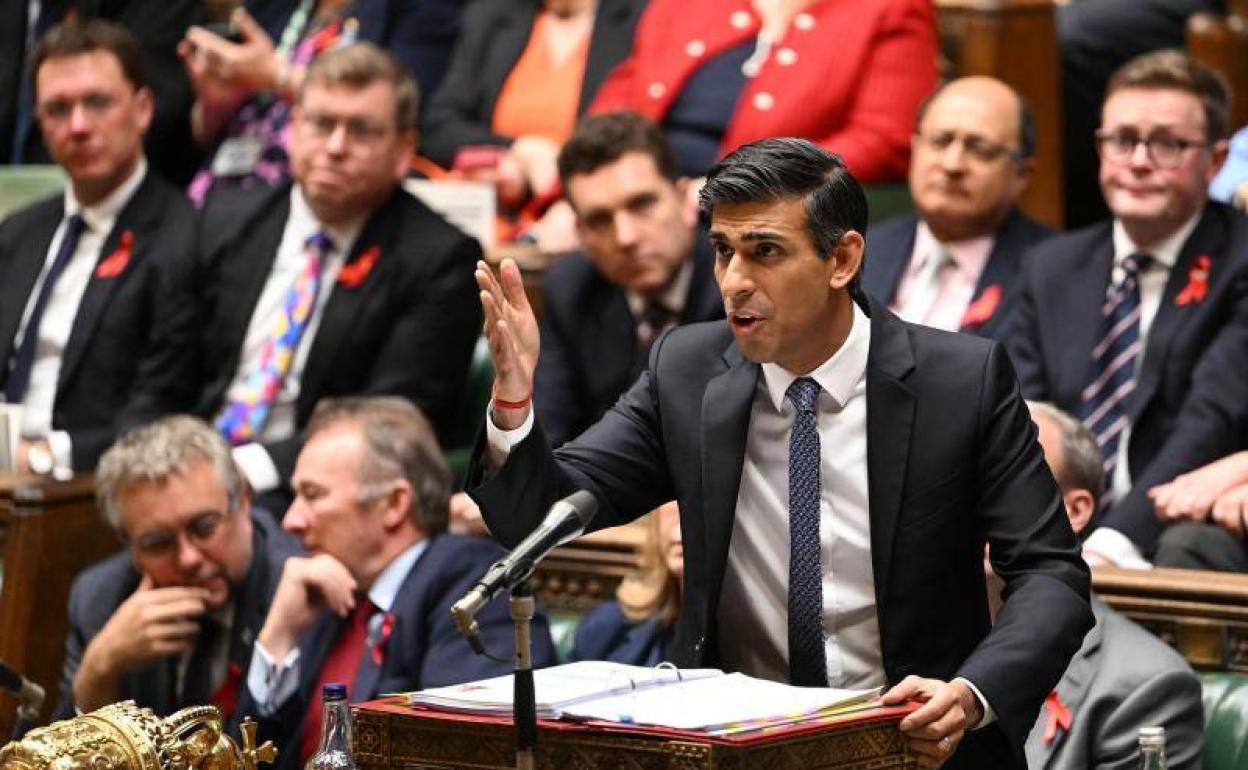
(272,683)
(62,448)
(257,466)
(1116,547)
(499,442)
(989,717)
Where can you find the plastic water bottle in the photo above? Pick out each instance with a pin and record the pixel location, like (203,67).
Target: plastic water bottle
(335,750)
(1152,748)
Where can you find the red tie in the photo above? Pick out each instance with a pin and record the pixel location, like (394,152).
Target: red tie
(341,665)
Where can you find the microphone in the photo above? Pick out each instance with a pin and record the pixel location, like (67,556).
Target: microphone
(29,697)
(566,520)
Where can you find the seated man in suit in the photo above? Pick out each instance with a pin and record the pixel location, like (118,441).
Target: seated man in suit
(954,264)
(1129,324)
(837,469)
(84,276)
(1123,678)
(171,621)
(339,283)
(371,606)
(643,269)
(1209,511)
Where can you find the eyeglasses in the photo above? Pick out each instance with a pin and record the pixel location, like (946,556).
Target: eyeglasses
(1162,148)
(200,530)
(322,125)
(95,104)
(980,149)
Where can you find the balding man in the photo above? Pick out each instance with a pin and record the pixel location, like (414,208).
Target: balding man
(953,263)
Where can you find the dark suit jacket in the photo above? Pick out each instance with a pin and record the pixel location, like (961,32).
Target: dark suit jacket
(605,634)
(425,648)
(1122,679)
(1189,407)
(408,329)
(157,28)
(891,243)
(128,328)
(101,588)
(589,353)
(952,461)
(495,34)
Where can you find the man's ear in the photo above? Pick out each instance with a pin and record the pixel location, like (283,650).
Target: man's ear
(1080,507)
(846,259)
(398,502)
(1023,173)
(409,140)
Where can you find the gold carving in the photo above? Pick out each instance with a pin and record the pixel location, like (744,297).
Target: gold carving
(125,737)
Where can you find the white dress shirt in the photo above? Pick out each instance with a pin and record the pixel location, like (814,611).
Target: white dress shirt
(272,682)
(62,308)
(287,265)
(1152,282)
(673,298)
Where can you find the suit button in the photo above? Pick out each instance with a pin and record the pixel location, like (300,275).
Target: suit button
(786,57)
(804,21)
(695,48)
(740,19)
(656,90)
(764,101)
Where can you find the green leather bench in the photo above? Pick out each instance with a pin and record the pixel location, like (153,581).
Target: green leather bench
(1225,697)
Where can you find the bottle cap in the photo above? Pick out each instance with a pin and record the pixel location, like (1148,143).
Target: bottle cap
(334,692)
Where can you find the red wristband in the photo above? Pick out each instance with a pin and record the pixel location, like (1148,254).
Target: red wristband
(522,404)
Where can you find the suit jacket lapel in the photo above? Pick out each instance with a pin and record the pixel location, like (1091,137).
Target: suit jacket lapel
(890,419)
(1072,689)
(1079,315)
(17,285)
(1001,270)
(726,408)
(1204,241)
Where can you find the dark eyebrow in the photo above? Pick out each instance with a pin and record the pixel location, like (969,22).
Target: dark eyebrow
(752,235)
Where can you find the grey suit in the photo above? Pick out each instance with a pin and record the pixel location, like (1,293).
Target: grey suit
(1123,678)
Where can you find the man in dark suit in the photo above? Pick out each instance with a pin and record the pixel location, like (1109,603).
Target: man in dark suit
(816,444)
(643,269)
(1130,324)
(156,28)
(371,607)
(1123,677)
(340,283)
(86,310)
(954,263)
(171,621)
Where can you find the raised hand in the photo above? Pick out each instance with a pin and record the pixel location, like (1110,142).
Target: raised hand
(308,587)
(511,330)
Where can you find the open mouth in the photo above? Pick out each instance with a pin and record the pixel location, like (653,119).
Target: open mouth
(744,321)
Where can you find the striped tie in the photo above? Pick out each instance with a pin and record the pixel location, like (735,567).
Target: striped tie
(246,413)
(1105,400)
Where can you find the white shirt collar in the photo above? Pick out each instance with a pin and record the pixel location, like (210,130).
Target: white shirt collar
(342,235)
(838,375)
(926,244)
(99,217)
(386,587)
(1166,252)
(672,298)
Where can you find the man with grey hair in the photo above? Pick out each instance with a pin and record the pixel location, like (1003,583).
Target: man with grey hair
(371,604)
(170,622)
(1123,678)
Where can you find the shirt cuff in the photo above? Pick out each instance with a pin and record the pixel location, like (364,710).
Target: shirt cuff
(989,717)
(62,448)
(253,459)
(498,441)
(1117,548)
(271,683)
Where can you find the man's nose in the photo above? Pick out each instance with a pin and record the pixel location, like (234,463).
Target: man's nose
(189,555)
(627,228)
(734,278)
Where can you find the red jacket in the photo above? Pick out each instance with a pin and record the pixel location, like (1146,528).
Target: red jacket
(848,74)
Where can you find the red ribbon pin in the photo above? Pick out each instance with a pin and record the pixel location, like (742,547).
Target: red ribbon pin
(1056,715)
(978,312)
(115,264)
(353,274)
(1197,282)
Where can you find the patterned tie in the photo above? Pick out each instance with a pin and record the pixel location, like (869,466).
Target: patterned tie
(24,357)
(244,416)
(655,318)
(807,661)
(928,285)
(1106,398)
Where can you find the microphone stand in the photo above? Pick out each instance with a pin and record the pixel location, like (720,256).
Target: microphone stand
(524,696)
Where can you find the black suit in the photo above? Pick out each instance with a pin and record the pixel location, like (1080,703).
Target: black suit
(425,648)
(952,461)
(495,33)
(101,589)
(157,28)
(1188,408)
(590,352)
(407,329)
(128,329)
(890,245)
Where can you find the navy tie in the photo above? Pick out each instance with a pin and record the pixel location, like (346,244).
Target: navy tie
(24,357)
(807,662)
(1106,399)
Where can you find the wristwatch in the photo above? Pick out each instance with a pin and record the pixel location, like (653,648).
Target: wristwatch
(39,458)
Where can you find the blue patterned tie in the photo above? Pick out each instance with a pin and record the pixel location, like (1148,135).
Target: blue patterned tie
(24,357)
(807,662)
(1106,399)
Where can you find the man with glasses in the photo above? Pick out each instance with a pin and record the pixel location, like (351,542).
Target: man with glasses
(171,621)
(85,306)
(954,263)
(338,283)
(1137,325)
(371,605)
